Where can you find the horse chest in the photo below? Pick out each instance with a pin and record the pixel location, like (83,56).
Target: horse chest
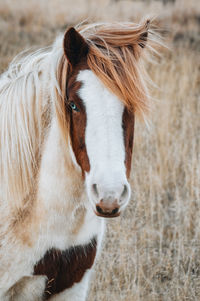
(65,268)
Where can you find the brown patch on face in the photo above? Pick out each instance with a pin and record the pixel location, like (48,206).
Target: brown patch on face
(78,118)
(128,127)
(76,50)
(64,268)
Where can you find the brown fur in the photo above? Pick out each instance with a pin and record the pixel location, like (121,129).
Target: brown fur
(65,268)
(75,47)
(128,127)
(77,119)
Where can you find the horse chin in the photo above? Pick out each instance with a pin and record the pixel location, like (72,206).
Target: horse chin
(107,215)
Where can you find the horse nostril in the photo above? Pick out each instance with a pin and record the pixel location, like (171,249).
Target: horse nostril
(95,190)
(115,210)
(99,210)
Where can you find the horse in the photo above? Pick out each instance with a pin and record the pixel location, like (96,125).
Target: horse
(67,116)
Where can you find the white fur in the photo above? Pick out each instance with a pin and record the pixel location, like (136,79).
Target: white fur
(28,288)
(55,225)
(104,141)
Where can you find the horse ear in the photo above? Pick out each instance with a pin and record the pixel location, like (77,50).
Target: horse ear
(75,46)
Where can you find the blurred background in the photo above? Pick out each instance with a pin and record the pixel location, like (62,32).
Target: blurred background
(151,252)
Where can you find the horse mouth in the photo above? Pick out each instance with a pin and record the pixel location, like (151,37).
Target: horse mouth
(107,214)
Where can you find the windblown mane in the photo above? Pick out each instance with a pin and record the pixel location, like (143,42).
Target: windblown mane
(114,55)
(25,95)
(34,84)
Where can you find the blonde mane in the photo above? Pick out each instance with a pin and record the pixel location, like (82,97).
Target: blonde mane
(35,84)
(114,57)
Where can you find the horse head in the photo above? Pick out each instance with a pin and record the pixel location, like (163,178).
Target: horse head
(101,123)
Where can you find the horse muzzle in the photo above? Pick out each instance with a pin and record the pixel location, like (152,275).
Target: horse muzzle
(107,209)
(109,202)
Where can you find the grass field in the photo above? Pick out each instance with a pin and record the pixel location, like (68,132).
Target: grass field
(152,252)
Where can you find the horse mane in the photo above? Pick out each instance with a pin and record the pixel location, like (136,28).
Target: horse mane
(114,56)
(35,84)
(23,101)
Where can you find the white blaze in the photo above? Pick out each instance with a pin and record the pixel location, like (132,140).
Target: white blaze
(104,139)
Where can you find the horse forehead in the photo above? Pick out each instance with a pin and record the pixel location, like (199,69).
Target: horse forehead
(96,97)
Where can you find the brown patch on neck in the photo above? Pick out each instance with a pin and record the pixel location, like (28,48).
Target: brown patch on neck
(24,219)
(77,119)
(128,127)
(65,268)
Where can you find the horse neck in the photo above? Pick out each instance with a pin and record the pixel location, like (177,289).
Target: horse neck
(60,184)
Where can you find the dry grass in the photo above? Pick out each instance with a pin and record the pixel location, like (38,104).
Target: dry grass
(152,252)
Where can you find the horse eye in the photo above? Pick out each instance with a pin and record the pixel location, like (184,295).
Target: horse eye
(73,106)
